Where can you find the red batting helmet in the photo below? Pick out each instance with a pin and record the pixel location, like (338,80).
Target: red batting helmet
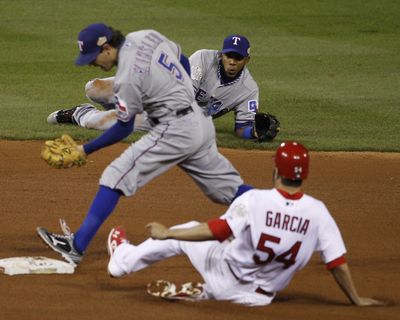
(292,160)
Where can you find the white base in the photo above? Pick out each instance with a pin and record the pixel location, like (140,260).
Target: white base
(34,265)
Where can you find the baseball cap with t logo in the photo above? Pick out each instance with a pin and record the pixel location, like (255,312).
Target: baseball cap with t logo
(90,41)
(236,43)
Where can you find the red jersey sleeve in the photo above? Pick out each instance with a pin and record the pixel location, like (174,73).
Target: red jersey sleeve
(336,263)
(220,229)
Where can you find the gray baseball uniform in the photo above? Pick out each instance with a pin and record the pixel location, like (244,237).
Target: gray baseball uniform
(150,78)
(240,95)
(214,96)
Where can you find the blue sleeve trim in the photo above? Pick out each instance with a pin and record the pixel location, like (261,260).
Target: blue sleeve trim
(185,63)
(242,189)
(116,133)
(247,132)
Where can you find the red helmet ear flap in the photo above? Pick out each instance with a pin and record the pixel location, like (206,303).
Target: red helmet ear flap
(292,160)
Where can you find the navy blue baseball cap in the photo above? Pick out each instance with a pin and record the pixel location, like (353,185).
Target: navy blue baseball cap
(236,43)
(90,41)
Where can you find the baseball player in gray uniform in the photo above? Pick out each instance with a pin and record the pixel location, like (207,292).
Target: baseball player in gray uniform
(266,236)
(150,77)
(221,81)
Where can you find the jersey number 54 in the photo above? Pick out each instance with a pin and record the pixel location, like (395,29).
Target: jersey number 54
(288,258)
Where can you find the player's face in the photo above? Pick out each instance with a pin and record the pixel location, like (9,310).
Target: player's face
(106,59)
(233,63)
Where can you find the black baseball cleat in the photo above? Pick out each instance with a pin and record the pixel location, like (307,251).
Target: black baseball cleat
(63,244)
(62,116)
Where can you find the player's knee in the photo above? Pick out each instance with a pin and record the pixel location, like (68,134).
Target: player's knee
(90,89)
(93,90)
(228,195)
(100,91)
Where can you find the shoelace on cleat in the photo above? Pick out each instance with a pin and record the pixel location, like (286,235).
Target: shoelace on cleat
(66,229)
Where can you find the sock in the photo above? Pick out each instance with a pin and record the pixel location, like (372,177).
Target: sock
(102,206)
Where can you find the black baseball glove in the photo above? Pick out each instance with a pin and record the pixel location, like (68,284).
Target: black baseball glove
(266,127)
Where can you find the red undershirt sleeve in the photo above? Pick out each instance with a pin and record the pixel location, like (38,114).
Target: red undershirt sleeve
(335,263)
(220,229)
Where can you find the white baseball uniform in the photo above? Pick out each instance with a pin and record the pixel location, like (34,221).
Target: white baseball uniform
(267,235)
(150,78)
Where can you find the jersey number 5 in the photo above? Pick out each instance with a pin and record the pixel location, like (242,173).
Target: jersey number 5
(288,258)
(171,67)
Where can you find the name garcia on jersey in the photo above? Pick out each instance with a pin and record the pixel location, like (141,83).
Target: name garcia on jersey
(286,222)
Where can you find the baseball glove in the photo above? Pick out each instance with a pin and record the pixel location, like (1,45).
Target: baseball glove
(63,153)
(266,127)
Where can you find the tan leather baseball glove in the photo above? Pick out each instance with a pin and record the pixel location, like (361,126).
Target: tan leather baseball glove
(63,153)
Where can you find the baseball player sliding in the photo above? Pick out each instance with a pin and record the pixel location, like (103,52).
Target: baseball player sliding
(151,78)
(221,81)
(264,238)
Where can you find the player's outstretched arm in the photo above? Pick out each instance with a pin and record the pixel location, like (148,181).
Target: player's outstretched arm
(116,133)
(344,280)
(200,232)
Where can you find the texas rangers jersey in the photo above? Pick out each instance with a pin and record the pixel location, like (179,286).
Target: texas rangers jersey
(275,236)
(216,97)
(150,77)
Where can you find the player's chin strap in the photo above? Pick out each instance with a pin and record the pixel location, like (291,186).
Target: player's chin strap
(65,228)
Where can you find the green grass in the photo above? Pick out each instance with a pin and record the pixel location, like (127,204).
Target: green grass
(328,69)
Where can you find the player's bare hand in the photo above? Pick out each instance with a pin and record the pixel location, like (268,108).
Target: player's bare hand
(369,302)
(157,231)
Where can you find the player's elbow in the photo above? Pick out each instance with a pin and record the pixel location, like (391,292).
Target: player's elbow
(100,91)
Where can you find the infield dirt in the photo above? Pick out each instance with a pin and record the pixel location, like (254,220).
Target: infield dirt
(361,190)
